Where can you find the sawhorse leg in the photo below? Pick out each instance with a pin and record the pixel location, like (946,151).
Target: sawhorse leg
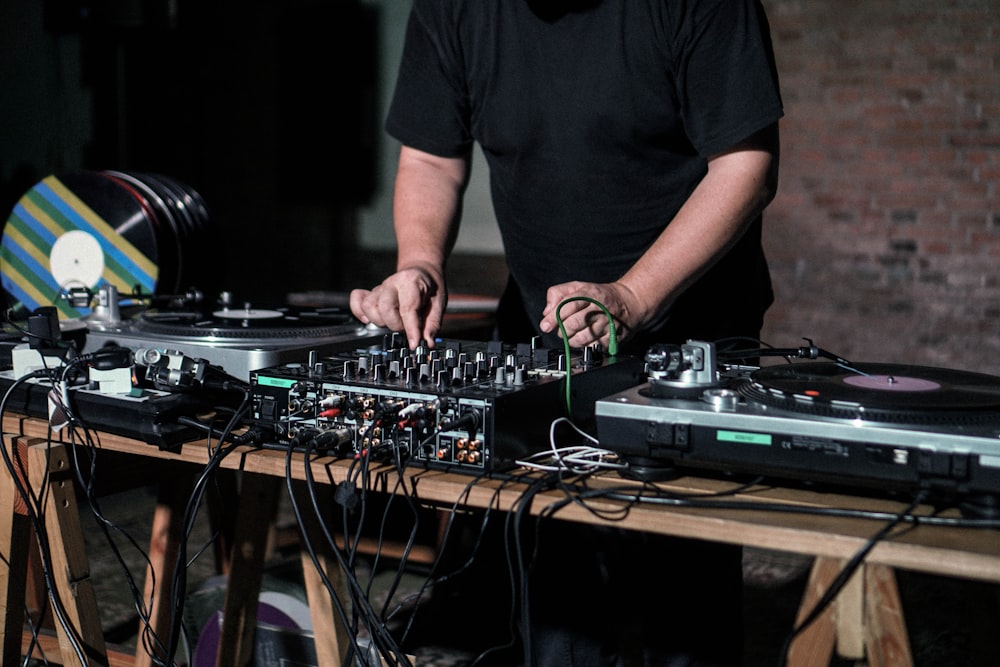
(258,506)
(164,547)
(257,512)
(49,464)
(329,625)
(865,621)
(15,533)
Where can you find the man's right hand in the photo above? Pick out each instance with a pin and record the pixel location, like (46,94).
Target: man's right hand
(412,300)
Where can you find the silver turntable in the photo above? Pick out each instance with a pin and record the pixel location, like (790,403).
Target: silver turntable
(239,339)
(883,427)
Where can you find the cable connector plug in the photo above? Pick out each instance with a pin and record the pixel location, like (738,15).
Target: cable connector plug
(470,419)
(346,496)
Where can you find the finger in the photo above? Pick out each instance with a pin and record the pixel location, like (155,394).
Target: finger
(413,326)
(389,312)
(357,301)
(411,305)
(559,293)
(588,326)
(553,313)
(579,315)
(432,323)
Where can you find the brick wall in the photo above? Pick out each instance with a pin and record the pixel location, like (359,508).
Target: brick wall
(884,240)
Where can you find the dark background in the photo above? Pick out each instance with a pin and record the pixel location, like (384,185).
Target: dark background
(267,109)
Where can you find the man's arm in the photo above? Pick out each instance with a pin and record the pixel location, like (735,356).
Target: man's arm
(737,187)
(427,204)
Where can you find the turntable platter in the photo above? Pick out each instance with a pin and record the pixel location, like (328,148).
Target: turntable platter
(249,323)
(877,392)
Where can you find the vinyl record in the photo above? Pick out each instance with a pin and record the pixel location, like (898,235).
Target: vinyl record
(878,392)
(284,322)
(77,230)
(87,229)
(199,247)
(169,252)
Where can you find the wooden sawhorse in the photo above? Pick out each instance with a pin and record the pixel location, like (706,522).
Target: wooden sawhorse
(79,638)
(863,623)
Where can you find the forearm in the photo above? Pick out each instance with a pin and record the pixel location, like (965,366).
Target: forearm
(427,204)
(427,208)
(732,194)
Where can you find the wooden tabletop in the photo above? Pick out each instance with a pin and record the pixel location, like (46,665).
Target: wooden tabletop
(785,519)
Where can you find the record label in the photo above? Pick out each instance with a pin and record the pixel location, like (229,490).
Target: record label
(891,383)
(76,259)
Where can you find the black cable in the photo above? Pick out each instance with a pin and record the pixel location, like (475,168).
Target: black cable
(178,588)
(34,508)
(361,603)
(358,471)
(523,568)
(104,357)
(632,497)
(393,495)
(626,495)
(310,549)
(843,577)
(514,569)
(107,526)
(433,579)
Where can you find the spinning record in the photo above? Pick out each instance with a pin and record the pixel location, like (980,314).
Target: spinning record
(878,392)
(248,323)
(87,229)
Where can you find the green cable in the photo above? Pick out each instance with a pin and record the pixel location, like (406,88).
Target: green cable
(612,340)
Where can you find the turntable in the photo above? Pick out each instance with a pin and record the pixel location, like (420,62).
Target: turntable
(239,339)
(872,427)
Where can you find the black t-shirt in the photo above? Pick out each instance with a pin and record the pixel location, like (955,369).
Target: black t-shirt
(596,124)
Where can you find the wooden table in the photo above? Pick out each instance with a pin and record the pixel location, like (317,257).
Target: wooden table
(865,623)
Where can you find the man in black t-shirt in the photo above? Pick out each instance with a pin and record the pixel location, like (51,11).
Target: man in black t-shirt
(632,146)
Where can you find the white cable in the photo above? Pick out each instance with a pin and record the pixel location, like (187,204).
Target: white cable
(579,459)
